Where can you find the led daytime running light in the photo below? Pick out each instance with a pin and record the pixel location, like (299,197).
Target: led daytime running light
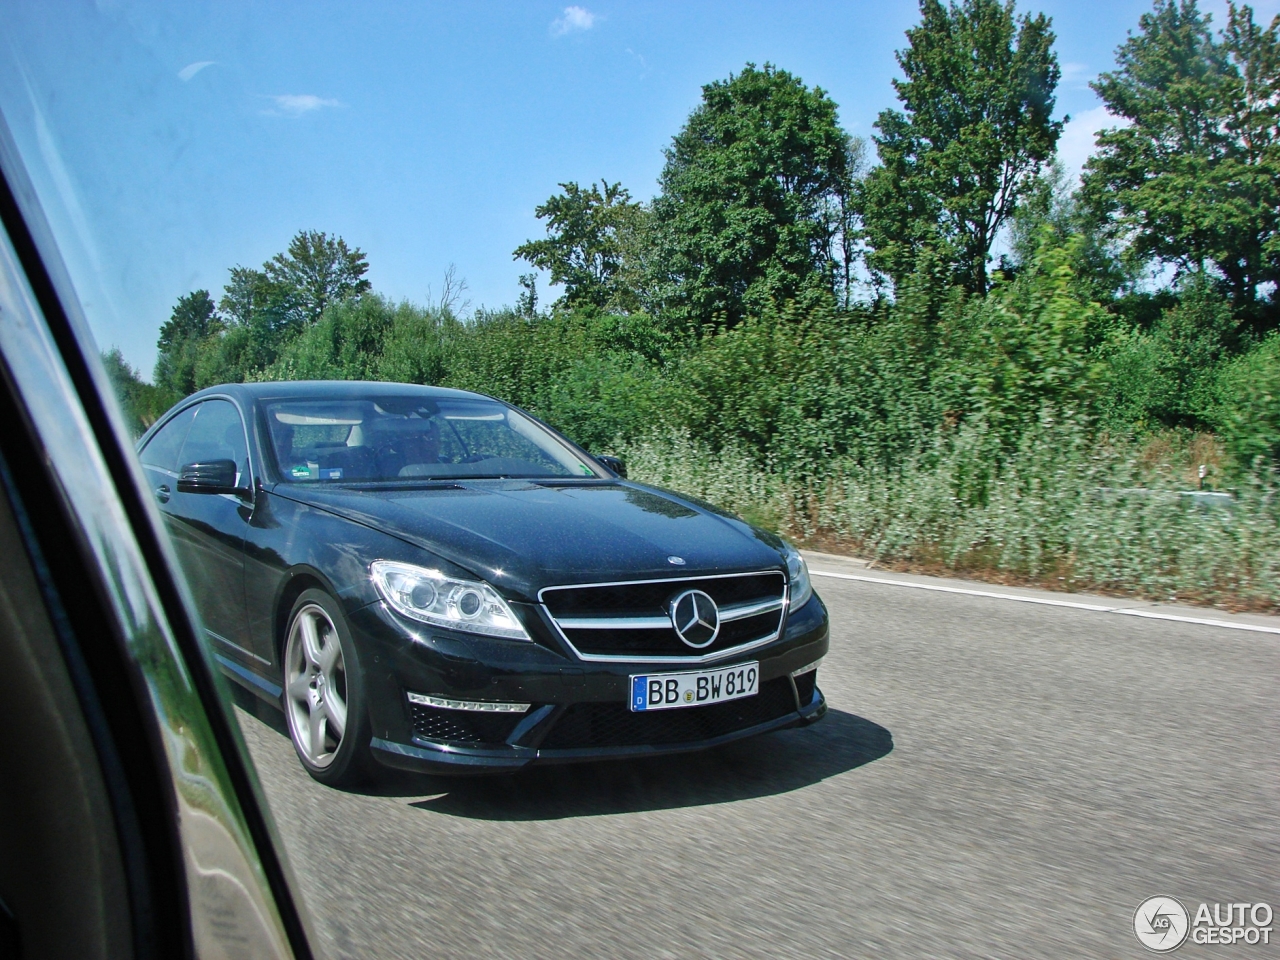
(806,668)
(476,706)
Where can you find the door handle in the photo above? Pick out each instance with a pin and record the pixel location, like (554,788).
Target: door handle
(162,493)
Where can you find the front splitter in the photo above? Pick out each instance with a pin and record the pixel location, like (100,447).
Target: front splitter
(427,756)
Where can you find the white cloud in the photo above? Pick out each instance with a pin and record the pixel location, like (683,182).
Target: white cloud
(1077,142)
(296,104)
(644,64)
(1076,74)
(191,69)
(575,19)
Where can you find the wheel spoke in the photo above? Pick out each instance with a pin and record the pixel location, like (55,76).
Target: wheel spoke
(317,726)
(299,687)
(337,713)
(330,655)
(310,638)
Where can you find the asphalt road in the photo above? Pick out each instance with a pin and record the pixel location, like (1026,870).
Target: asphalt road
(994,779)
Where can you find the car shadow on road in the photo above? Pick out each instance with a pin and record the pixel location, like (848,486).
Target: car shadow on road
(763,766)
(759,767)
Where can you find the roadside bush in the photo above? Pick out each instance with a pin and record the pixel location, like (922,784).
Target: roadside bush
(1065,509)
(804,389)
(369,338)
(595,376)
(1027,346)
(142,403)
(1169,375)
(1249,412)
(730,477)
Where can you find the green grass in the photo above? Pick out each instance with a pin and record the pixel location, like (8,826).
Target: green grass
(1065,510)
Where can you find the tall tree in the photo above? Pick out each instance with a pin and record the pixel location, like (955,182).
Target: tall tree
(266,308)
(1194,179)
(745,217)
(315,271)
(974,130)
(589,233)
(193,319)
(252,300)
(260,311)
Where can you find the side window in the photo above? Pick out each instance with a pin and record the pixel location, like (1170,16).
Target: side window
(161,450)
(216,434)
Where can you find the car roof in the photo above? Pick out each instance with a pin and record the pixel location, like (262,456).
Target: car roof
(330,390)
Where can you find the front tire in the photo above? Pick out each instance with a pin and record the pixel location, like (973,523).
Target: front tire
(324,693)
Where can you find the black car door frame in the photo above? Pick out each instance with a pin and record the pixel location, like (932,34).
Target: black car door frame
(208,530)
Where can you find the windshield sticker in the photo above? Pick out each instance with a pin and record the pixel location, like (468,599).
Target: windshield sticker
(300,472)
(331,473)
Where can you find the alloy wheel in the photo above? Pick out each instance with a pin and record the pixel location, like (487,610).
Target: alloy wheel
(315,686)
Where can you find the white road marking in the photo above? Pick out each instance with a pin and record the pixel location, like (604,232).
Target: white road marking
(1152,615)
(1044,601)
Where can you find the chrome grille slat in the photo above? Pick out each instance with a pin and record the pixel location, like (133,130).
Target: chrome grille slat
(621,621)
(743,610)
(615,623)
(738,612)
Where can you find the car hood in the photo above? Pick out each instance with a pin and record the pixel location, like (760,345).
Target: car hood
(522,536)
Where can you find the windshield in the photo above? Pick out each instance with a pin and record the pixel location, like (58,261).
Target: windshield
(394,439)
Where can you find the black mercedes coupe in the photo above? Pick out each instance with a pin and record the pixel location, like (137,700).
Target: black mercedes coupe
(437,581)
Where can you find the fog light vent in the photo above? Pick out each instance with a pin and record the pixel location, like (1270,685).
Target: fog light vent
(806,687)
(478,728)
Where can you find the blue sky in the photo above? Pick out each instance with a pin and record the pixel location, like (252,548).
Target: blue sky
(169,142)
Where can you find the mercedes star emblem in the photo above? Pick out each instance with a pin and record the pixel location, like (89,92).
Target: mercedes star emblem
(696,618)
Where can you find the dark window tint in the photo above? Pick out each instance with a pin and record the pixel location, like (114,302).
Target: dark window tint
(161,450)
(217,434)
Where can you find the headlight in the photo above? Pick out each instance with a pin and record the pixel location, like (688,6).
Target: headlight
(430,596)
(798,575)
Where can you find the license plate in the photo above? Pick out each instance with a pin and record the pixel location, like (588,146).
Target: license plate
(666,691)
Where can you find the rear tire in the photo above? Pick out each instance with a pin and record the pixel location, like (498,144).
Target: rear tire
(324,697)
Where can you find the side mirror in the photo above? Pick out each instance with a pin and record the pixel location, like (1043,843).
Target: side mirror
(212,476)
(613,463)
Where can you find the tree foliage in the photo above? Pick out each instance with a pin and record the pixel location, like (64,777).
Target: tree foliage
(1248,415)
(747,214)
(722,312)
(975,128)
(315,271)
(1193,180)
(194,318)
(142,403)
(590,233)
(259,312)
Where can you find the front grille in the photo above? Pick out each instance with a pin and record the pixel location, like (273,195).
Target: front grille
(462,726)
(633,620)
(588,725)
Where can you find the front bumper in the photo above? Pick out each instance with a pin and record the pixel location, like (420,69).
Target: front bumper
(578,710)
